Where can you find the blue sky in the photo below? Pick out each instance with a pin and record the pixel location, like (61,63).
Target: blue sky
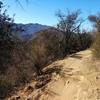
(43,11)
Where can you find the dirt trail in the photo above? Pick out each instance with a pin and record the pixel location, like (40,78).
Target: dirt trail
(79,79)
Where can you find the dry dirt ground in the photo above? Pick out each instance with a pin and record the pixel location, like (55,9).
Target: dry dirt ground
(77,79)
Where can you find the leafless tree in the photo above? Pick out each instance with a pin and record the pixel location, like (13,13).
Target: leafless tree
(69,22)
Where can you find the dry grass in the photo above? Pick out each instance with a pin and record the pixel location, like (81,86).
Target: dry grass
(96,46)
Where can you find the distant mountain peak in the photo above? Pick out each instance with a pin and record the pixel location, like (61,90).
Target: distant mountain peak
(26,31)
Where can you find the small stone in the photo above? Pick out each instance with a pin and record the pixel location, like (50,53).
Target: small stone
(29,88)
(17,97)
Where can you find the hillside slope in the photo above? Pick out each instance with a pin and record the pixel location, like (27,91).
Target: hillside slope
(78,79)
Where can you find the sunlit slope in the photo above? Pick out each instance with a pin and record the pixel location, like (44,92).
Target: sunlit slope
(79,79)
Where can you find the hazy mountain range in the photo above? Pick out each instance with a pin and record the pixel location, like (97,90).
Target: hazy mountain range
(27,31)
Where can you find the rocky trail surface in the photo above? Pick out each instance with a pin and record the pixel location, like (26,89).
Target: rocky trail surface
(76,77)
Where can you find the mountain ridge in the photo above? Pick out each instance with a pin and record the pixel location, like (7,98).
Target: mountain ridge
(27,31)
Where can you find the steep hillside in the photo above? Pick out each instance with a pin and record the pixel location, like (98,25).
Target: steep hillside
(76,77)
